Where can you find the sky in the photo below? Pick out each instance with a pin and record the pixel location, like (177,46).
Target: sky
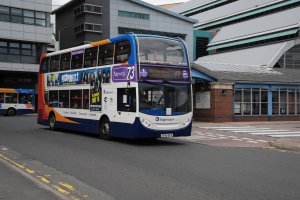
(56,3)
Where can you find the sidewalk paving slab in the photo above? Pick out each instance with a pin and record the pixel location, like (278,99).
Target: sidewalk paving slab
(15,186)
(290,144)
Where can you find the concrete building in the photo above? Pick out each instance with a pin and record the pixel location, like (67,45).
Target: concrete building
(25,31)
(247,59)
(83,21)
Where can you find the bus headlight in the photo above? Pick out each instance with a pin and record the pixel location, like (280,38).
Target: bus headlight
(146,123)
(187,122)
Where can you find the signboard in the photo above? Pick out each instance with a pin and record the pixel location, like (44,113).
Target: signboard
(124,74)
(164,73)
(89,77)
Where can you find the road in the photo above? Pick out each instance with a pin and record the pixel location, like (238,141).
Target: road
(161,169)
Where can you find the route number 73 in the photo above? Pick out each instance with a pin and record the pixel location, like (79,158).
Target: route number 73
(130,73)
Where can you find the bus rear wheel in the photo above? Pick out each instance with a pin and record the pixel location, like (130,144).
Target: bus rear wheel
(105,129)
(52,122)
(11,112)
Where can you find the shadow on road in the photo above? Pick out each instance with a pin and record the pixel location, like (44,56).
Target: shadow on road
(134,142)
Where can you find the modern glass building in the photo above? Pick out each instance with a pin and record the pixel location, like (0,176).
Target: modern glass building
(25,32)
(247,59)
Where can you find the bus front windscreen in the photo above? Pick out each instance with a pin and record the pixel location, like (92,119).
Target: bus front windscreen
(161,51)
(156,99)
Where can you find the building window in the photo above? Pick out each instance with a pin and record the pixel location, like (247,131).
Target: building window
(122,13)
(88,27)
(285,101)
(251,101)
(93,27)
(16,15)
(88,8)
(4,14)
(23,16)
(40,18)
(28,17)
(291,59)
(201,46)
(79,28)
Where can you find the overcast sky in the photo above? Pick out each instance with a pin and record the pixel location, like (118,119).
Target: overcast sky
(155,2)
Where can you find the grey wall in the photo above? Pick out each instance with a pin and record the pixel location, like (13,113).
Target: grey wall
(66,21)
(41,36)
(158,21)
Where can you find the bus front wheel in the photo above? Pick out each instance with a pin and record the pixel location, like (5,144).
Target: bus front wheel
(11,112)
(52,122)
(105,128)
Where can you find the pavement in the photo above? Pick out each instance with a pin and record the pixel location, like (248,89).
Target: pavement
(289,144)
(13,186)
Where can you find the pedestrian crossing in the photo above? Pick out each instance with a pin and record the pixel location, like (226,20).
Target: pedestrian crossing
(252,130)
(200,136)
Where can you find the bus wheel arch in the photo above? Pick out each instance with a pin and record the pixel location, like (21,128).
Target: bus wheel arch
(52,121)
(104,127)
(11,111)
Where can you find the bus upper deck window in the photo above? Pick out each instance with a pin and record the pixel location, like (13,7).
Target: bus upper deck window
(106,54)
(65,61)
(122,51)
(77,59)
(54,63)
(90,57)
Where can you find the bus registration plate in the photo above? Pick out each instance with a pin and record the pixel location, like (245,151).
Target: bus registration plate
(166,135)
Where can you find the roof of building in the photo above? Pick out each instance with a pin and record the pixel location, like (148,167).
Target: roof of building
(227,10)
(142,3)
(170,5)
(260,26)
(266,56)
(189,5)
(274,76)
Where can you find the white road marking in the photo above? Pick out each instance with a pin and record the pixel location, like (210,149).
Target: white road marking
(276,133)
(253,142)
(262,141)
(289,135)
(258,130)
(240,129)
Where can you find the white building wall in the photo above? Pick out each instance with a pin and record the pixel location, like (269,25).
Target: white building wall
(24,32)
(158,21)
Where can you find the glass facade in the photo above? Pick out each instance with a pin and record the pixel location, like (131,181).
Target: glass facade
(285,101)
(251,101)
(255,101)
(23,16)
(17,52)
(291,59)
(122,13)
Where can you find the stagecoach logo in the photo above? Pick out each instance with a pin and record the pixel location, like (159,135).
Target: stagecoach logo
(163,120)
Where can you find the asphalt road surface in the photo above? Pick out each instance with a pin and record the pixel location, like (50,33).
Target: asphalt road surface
(160,169)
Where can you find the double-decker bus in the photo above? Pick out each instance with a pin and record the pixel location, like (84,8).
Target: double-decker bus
(131,86)
(16,101)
